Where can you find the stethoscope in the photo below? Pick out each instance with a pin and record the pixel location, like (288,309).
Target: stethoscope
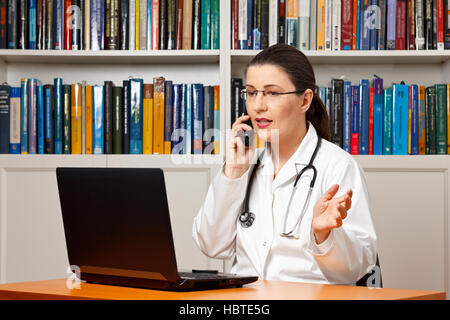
(247,218)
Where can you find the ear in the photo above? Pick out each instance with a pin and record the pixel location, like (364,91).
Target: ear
(307,100)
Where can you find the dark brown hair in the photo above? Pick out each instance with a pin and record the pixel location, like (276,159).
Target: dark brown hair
(301,74)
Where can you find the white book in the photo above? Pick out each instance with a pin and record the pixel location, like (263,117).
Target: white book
(273,22)
(328,24)
(242,37)
(132,25)
(336,23)
(303,24)
(87,25)
(143,25)
(419,24)
(313,25)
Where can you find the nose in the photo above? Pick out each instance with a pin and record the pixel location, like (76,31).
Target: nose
(259,104)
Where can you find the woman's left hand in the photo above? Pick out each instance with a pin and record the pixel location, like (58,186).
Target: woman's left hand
(329,212)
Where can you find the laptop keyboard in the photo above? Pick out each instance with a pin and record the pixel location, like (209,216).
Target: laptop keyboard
(201,275)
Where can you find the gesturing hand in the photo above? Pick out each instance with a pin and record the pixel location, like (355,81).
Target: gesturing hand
(329,212)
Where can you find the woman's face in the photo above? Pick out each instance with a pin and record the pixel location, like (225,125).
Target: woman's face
(274,114)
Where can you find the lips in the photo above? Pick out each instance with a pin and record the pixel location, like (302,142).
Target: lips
(263,122)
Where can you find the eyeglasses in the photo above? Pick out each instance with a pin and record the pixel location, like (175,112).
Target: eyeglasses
(250,95)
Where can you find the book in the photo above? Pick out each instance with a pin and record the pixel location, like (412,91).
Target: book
(304,8)
(87,24)
(400,30)
(264,24)
(257,24)
(410,25)
(419,14)
(370,140)
(189,127)
(430,116)
(250,5)
(14,117)
(32,116)
(126,116)
(147,133)
(12,24)
(446,26)
(183,119)
(75,119)
(112,34)
(155,24)
(292,22)
(32,24)
(282,21)
(414,119)
(197,118)
(400,93)
(179,23)
(58,35)
(378,116)
(5,96)
(171,24)
(381,33)
(66,138)
(168,116)
(136,100)
(320,38)
(40,118)
(131,24)
(187,25)
(83,116)
(98,139)
(337,87)
(387,122)
(67,24)
(163,24)
(421,120)
(347,24)
(441,118)
(336,25)
(364,116)
(216,120)
(391,25)
(108,117)
(158,115)
(117,120)
(76,24)
(142,30)
(364,25)
(124,38)
(346,132)
(3,26)
(273,21)
(58,127)
(428,24)
(215,24)
(89,118)
(313,25)
(208,121)
(242,24)
(354,136)
(176,120)
(374,24)
(448,117)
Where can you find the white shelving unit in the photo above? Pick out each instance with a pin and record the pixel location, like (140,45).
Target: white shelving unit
(410,194)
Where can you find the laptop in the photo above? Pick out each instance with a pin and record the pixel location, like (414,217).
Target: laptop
(118,232)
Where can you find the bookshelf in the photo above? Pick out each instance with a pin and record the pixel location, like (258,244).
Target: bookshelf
(23,233)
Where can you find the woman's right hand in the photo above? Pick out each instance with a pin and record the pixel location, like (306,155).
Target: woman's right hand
(238,156)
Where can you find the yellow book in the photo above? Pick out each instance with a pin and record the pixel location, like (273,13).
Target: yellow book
(217,119)
(320,24)
(421,138)
(158,115)
(448,118)
(76,124)
(88,119)
(137,24)
(147,114)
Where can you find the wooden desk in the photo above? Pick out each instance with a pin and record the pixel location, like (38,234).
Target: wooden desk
(260,290)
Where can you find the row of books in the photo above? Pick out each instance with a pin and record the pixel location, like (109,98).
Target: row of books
(109,24)
(341,24)
(136,118)
(370,119)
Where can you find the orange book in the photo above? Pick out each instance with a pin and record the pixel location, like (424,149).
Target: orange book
(137,24)
(422,119)
(147,114)
(75,116)
(355,14)
(187,25)
(158,115)
(88,119)
(321,25)
(216,120)
(448,118)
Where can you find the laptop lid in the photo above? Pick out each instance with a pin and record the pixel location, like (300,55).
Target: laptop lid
(117,223)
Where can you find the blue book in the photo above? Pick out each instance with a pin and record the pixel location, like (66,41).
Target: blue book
(136,128)
(387,122)
(49,123)
(14,112)
(364,116)
(347,116)
(381,33)
(24,116)
(149,24)
(32,25)
(323,94)
(32,116)
(364,28)
(40,119)
(58,127)
(197,117)
(183,118)
(58,19)
(256,39)
(176,121)
(98,138)
(373,29)
(414,119)
(400,118)
(378,116)
(5,94)
(358,24)
(189,126)
(354,135)
(249,24)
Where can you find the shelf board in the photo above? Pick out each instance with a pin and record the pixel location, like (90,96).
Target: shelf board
(109,56)
(360,56)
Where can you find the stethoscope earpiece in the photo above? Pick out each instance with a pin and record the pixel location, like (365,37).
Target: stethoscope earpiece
(246,218)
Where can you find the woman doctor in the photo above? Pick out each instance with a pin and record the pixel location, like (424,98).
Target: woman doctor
(319,231)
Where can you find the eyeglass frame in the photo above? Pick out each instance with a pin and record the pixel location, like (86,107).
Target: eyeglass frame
(243,93)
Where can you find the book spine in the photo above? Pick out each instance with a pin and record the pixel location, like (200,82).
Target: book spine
(304,8)
(400,119)
(76,20)
(358,24)
(337,86)
(440,24)
(187,25)
(292,22)
(75,119)
(112,26)
(87,25)
(234,23)
(83,116)
(264,24)
(410,25)
(40,119)
(197,118)
(391,24)
(147,131)
(176,121)
(446,25)
(158,116)
(373,24)
(242,24)
(347,24)
(5,97)
(378,117)
(313,25)
(23,25)
(126,116)
(137,25)
(163,24)
(387,122)
(89,120)
(346,134)
(155,24)
(448,117)
(236,103)
(370,140)
(422,119)
(117,119)
(273,19)
(434,23)
(124,39)
(256,34)
(58,127)
(107,102)
(282,21)
(32,24)
(354,136)
(183,115)
(143,24)
(216,120)
(136,98)
(364,28)
(364,117)
(49,111)
(98,120)
(419,24)
(179,23)
(32,116)
(441,118)
(67,25)
(11,24)
(132,25)
(171,24)
(250,4)
(431,119)
(207,116)
(382,31)
(66,90)
(400,36)
(168,116)
(206,24)
(215,24)
(40,24)
(149,24)
(336,25)
(48,24)
(429,24)
(189,127)
(328,24)
(14,124)
(414,119)
(320,25)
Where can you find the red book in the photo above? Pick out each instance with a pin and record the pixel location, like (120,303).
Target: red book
(400,30)
(440,24)
(235,20)
(354,137)
(347,24)
(371,91)
(179,32)
(354,16)
(155,24)
(67,24)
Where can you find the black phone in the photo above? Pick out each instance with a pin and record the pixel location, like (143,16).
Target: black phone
(247,136)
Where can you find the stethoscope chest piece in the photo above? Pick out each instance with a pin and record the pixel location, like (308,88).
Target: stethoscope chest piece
(246,219)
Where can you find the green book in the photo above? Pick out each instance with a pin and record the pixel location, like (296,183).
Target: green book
(387,122)
(441,118)
(215,24)
(206,24)
(117,108)
(430,107)
(66,118)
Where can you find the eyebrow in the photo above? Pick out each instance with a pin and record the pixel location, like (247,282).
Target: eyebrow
(267,85)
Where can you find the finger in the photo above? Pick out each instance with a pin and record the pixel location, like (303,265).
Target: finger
(344,200)
(241,126)
(342,212)
(330,193)
(240,120)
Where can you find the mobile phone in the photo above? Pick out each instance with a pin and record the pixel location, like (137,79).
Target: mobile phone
(247,136)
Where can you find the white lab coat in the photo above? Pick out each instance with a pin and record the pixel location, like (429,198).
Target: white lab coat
(348,253)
